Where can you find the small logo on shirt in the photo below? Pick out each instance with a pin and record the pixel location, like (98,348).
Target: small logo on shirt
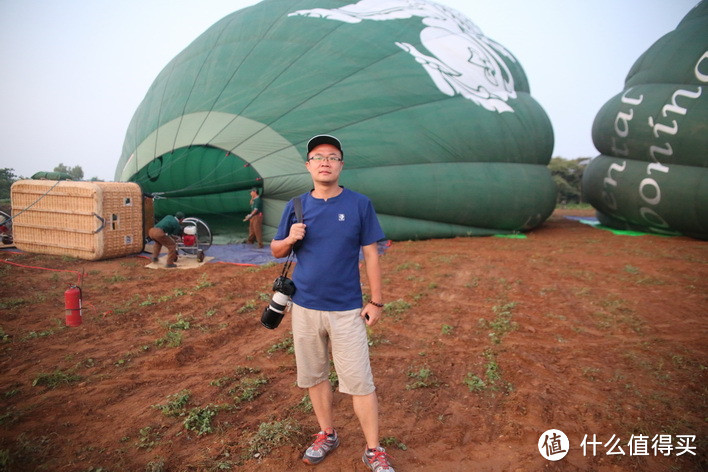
(341,217)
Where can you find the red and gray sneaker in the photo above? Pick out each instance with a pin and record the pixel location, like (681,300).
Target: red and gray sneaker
(377,460)
(323,445)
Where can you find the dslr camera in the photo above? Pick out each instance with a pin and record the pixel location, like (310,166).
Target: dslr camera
(273,313)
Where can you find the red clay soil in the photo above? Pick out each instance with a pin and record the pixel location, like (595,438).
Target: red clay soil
(486,344)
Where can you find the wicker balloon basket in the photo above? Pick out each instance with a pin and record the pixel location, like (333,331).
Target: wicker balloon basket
(86,220)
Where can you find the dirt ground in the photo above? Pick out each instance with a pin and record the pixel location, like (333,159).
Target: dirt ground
(486,344)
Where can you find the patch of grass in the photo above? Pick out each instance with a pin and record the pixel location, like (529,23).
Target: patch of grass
(4,337)
(648,280)
(148,301)
(115,278)
(392,441)
(501,324)
(447,329)
(396,307)
(285,345)
(249,306)
(33,449)
(491,369)
(157,465)
(203,282)
(176,405)
(173,336)
(374,339)
(170,339)
(247,385)
(181,324)
(408,265)
(474,382)
(273,435)
(305,404)
(492,376)
(148,438)
(210,312)
(619,313)
(54,379)
(333,377)
(177,292)
(36,334)
(12,392)
(421,378)
(199,419)
(590,373)
(123,361)
(248,389)
(10,417)
(447,259)
(8,303)
(473,283)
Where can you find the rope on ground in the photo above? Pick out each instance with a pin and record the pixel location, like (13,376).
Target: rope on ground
(80,274)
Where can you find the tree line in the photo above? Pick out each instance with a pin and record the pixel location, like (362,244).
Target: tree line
(566,173)
(8,177)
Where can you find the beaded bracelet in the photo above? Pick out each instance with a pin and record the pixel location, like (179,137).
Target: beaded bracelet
(380,305)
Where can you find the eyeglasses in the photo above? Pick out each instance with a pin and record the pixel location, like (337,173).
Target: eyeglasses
(320,158)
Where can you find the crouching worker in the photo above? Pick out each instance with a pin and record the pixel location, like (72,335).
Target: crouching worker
(162,234)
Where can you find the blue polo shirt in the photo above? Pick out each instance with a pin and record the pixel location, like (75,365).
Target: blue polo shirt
(326,275)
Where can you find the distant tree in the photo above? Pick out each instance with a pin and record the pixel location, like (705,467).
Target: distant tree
(7,178)
(61,168)
(567,174)
(76,172)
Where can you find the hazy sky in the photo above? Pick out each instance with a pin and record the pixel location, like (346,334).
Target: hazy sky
(73,72)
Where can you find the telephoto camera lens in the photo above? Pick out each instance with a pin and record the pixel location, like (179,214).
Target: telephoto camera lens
(274,312)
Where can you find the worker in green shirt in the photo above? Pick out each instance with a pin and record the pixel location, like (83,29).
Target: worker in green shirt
(162,234)
(255,219)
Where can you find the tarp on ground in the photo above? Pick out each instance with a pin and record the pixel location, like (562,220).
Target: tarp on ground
(250,254)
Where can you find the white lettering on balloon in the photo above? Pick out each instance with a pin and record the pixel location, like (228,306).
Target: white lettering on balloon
(622,128)
(649,188)
(462,62)
(700,75)
(607,196)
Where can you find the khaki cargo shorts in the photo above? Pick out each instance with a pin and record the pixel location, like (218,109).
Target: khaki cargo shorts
(313,333)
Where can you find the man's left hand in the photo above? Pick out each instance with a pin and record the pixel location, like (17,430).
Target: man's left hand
(371,314)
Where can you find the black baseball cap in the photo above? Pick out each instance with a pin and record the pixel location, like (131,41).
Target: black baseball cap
(323,139)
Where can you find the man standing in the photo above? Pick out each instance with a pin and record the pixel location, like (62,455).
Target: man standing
(162,233)
(255,219)
(327,304)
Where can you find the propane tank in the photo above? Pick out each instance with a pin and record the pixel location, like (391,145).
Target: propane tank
(72,302)
(190,236)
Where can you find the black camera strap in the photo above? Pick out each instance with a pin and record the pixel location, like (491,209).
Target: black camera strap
(297,206)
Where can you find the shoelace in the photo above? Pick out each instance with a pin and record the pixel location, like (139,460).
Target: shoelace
(320,440)
(382,458)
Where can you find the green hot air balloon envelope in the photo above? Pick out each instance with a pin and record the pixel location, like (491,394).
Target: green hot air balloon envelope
(652,174)
(437,120)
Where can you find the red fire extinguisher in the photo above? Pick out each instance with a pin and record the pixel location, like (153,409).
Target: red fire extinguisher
(72,301)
